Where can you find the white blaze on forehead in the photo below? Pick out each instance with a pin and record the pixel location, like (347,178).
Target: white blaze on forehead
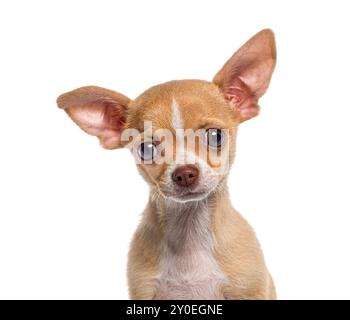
(177,121)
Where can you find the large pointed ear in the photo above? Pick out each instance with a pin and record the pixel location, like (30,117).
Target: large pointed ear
(246,75)
(98,111)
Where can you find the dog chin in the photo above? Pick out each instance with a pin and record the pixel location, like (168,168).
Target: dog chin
(189,197)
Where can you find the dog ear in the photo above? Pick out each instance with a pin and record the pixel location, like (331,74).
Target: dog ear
(246,75)
(98,111)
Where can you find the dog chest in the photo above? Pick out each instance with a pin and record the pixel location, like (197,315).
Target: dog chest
(188,269)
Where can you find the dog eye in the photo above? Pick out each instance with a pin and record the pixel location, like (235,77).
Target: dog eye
(215,137)
(147,151)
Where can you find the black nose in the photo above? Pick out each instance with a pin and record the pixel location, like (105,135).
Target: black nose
(185,175)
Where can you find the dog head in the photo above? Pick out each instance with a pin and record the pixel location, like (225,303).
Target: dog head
(181,133)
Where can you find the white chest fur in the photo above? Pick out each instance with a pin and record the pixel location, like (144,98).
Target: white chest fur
(188,268)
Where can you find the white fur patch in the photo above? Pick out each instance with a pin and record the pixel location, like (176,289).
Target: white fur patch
(177,121)
(188,268)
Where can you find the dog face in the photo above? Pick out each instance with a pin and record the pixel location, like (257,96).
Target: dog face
(190,139)
(181,133)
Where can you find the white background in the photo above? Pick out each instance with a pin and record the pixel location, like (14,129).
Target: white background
(68,208)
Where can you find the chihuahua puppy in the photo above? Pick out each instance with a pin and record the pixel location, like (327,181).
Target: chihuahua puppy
(191,243)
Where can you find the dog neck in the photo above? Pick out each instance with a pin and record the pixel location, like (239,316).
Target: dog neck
(188,226)
(191,222)
(188,269)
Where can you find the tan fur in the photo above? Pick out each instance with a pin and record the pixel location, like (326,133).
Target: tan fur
(217,255)
(237,251)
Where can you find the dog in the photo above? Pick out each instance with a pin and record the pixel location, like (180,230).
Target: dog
(191,243)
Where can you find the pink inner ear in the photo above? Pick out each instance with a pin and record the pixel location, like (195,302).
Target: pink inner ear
(114,115)
(113,123)
(98,117)
(246,75)
(111,139)
(98,111)
(241,99)
(103,118)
